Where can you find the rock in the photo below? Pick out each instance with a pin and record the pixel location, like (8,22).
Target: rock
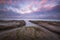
(28,33)
(7,24)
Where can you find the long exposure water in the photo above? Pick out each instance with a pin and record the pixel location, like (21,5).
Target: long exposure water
(30,24)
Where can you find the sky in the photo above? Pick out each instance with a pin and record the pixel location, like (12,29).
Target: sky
(30,9)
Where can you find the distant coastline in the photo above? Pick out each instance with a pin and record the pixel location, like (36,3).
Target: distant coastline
(35,19)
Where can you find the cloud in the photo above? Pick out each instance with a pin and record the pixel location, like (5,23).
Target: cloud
(32,9)
(32,6)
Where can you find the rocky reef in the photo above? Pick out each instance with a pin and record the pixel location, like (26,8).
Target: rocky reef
(7,24)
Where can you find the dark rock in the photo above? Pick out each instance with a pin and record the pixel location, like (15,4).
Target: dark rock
(8,24)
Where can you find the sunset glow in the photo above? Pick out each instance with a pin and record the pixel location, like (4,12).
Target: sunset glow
(32,6)
(29,9)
